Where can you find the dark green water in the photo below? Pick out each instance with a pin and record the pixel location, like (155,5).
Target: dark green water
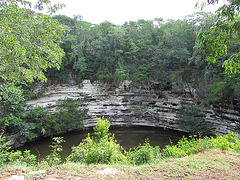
(127,137)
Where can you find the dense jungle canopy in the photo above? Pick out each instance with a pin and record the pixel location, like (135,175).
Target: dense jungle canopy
(172,53)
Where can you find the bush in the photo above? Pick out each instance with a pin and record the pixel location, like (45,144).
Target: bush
(191,118)
(50,125)
(67,118)
(230,142)
(54,157)
(101,150)
(23,157)
(144,154)
(12,104)
(102,128)
(184,147)
(7,155)
(4,150)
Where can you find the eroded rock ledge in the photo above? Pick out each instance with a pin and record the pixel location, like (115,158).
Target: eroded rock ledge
(124,106)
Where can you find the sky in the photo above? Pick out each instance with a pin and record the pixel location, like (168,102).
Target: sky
(120,11)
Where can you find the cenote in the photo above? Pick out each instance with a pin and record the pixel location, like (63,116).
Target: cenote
(126,137)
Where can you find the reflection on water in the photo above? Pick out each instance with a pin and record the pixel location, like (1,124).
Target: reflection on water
(126,137)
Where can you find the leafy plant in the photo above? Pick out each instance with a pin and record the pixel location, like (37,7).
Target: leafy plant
(101,150)
(23,157)
(186,146)
(28,51)
(4,150)
(12,105)
(218,40)
(55,158)
(102,128)
(27,130)
(70,116)
(144,154)
(192,119)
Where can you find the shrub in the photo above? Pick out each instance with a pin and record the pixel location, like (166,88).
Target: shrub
(144,154)
(51,125)
(186,146)
(54,157)
(27,130)
(4,150)
(230,142)
(12,104)
(69,116)
(23,157)
(101,150)
(34,121)
(102,128)
(192,119)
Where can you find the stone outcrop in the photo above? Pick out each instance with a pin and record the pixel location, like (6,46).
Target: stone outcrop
(124,106)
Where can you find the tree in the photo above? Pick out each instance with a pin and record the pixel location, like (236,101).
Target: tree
(29,41)
(223,36)
(11,107)
(192,119)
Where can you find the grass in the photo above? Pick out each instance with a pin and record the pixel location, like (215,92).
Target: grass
(208,164)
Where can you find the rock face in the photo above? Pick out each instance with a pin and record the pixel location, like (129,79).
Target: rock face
(123,106)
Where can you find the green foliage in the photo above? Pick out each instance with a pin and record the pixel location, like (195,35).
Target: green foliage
(32,121)
(54,157)
(144,154)
(102,128)
(37,120)
(68,117)
(12,99)
(192,119)
(92,151)
(29,41)
(23,157)
(219,39)
(185,146)
(12,104)
(106,150)
(50,125)
(27,130)
(101,150)
(224,92)
(4,150)
(104,74)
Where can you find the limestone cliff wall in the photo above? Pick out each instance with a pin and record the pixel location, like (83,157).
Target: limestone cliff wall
(124,106)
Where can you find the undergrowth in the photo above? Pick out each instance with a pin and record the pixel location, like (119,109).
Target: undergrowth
(102,148)
(185,146)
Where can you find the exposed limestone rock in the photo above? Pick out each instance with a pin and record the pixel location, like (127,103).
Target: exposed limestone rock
(125,107)
(15,140)
(16,177)
(108,171)
(37,172)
